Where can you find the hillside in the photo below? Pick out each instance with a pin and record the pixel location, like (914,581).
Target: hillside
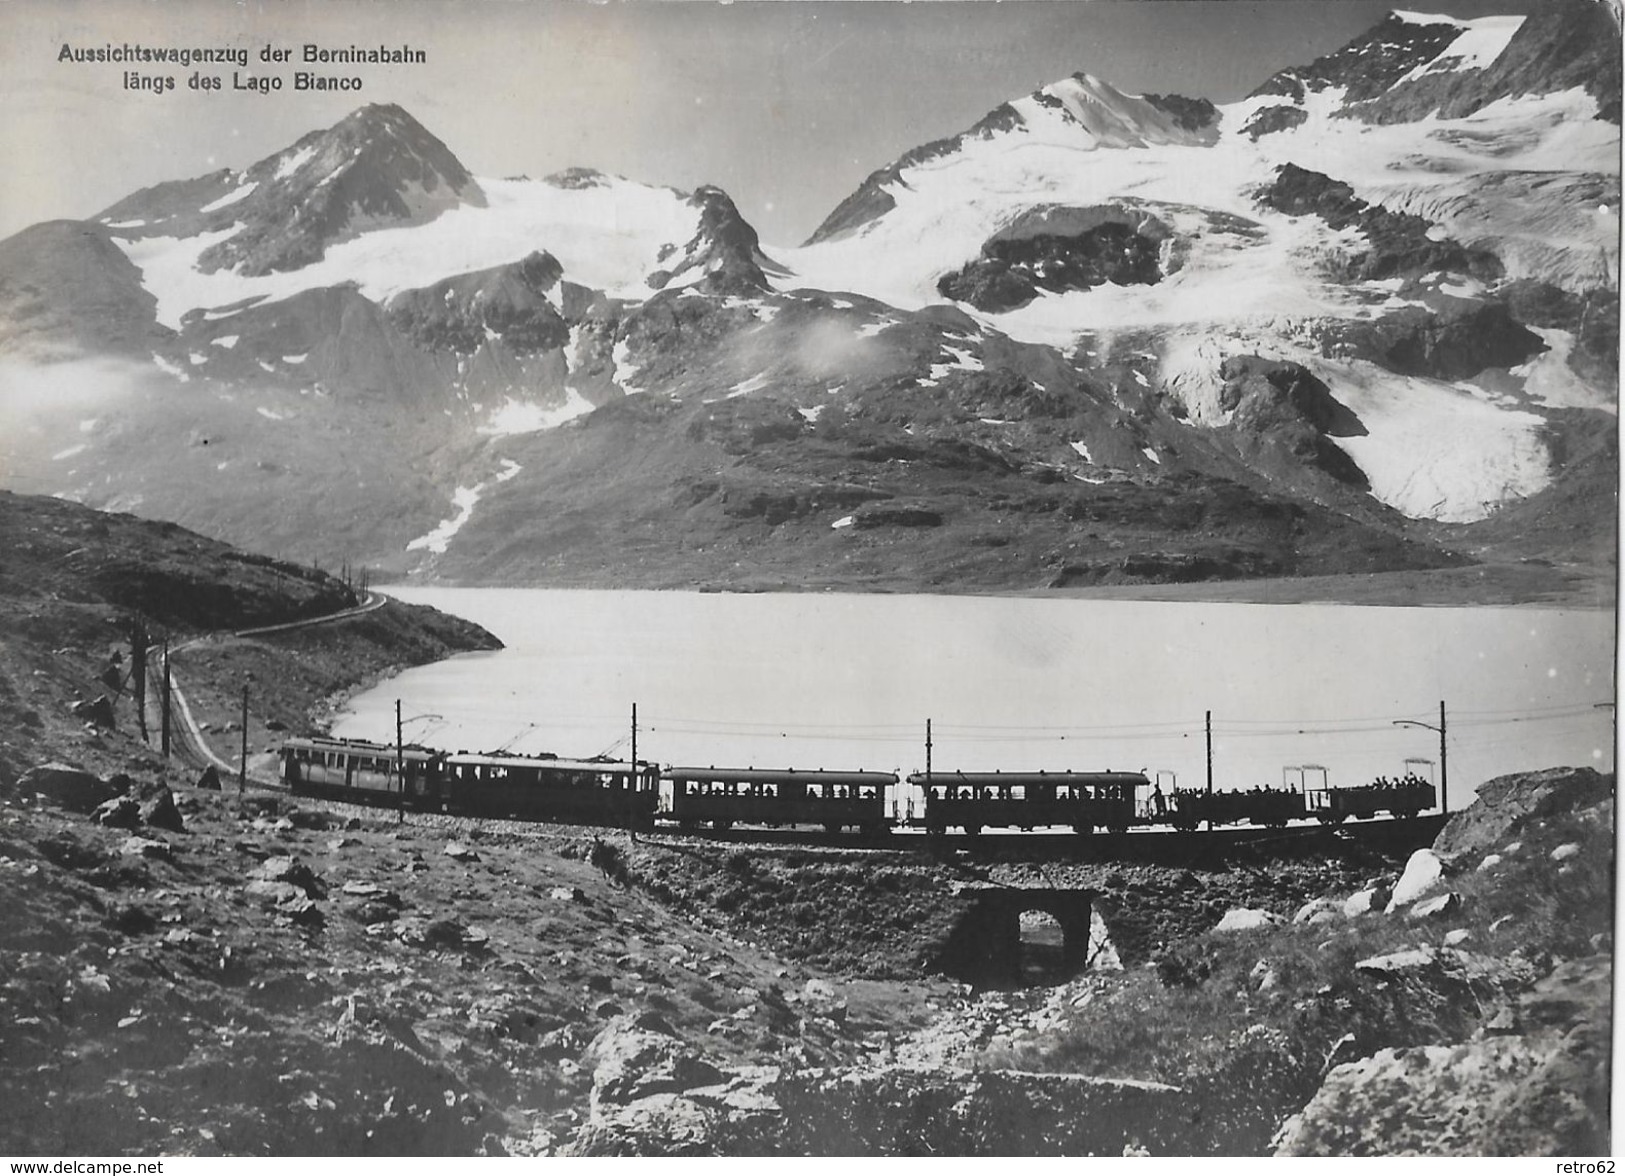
(1360,321)
(74,578)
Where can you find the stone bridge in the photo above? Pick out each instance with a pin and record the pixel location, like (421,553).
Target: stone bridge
(985,947)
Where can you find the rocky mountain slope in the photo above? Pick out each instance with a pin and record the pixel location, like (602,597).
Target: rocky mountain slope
(74,579)
(1342,325)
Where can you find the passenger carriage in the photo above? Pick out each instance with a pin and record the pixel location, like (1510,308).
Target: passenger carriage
(362,772)
(545,788)
(1085,801)
(721,797)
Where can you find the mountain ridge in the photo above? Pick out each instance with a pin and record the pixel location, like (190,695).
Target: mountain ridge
(359,320)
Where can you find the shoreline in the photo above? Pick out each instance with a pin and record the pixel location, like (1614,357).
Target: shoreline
(1534,586)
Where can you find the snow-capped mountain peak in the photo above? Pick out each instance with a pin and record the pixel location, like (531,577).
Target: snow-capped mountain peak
(1106,116)
(376,168)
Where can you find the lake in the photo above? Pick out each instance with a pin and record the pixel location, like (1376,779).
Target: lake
(849,681)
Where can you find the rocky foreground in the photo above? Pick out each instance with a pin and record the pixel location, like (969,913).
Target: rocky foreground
(190,972)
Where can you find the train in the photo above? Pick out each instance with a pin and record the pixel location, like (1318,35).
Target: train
(639,794)
(521,787)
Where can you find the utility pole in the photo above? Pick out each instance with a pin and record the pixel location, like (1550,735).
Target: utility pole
(1444,767)
(242,764)
(400,774)
(165,699)
(635,781)
(138,669)
(928,753)
(1208,727)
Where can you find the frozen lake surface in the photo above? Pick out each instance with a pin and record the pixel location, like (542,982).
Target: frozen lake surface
(848,681)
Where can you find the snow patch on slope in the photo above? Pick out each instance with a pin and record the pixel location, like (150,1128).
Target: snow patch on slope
(521,416)
(232,197)
(607,238)
(294,161)
(465,499)
(1481,42)
(1436,451)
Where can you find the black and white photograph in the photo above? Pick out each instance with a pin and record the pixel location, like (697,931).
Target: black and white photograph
(676,578)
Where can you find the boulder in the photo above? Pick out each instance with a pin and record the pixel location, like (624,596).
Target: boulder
(1248,919)
(150,804)
(818,990)
(63,849)
(122,812)
(1565,851)
(1317,910)
(1440,904)
(638,1055)
(146,847)
(446,934)
(1507,805)
(664,1124)
(98,711)
(1422,873)
(1575,994)
(1363,902)
(1265,975)
(301,910)
(459,852)
(271,892)
(1397,961)
(292,872)
(1542,1092)
(66,787)
(157,807)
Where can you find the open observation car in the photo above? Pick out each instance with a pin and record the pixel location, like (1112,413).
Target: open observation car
(1400,798)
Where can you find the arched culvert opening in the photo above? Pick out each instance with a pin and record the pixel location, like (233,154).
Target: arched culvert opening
(1044,956)
(1007,937)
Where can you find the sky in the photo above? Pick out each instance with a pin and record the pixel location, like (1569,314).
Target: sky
(785,104)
